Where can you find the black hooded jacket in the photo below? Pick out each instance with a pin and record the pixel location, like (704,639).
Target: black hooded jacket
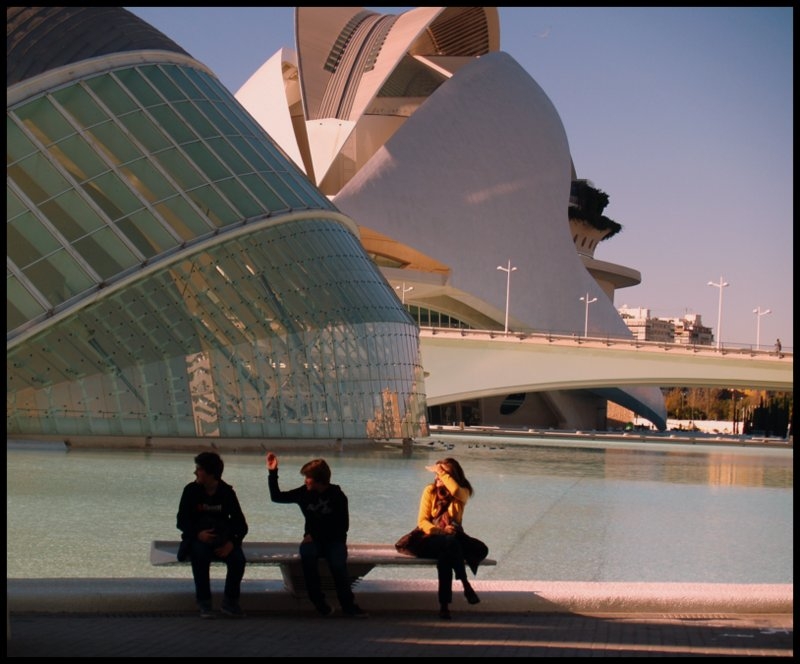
(198,511)
(327,516)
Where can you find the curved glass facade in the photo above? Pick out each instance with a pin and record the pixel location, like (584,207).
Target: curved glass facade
(171,273)
(124,167)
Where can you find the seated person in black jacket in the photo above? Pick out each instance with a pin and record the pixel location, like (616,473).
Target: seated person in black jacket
(327,520)
(213,526)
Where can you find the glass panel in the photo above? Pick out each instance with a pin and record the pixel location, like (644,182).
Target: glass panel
(80,105)
(164,85)
(42,119)
(173,125)
(307,190)
(264,193)
(210,110)
(265,150)
(28,240)
(286,193)
(229,156)
(207,162)
(146,233)
(111,94)
(20,304)
(141,90)
(238,195)
(195,119)
(106,253)
(14,205)
(249,127)
(115,145)
(77,157)
(179,168)
(18,145)
(37,178)
(71,216)
(235,118)
(183,219)
(149,183)
(112,196)
(183,82)
(249,153)
(203,81)
(143,129)
(214,207)
(58,277)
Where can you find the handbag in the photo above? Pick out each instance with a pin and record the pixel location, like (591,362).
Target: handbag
(410,543)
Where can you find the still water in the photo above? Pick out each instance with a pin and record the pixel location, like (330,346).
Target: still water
(550,511)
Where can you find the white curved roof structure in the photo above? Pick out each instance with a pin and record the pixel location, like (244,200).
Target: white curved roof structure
(452,160)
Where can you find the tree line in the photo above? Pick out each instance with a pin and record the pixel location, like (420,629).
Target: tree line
(761,412)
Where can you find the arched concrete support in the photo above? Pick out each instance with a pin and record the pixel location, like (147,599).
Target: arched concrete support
(475,365)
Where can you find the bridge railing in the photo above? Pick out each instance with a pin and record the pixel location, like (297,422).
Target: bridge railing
(608,340)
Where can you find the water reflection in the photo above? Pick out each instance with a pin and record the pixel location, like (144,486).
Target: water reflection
(547,512)
(764,468)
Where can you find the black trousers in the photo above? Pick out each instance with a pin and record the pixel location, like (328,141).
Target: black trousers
(201,555)
(449,556)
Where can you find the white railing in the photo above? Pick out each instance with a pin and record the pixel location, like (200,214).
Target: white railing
(577,339)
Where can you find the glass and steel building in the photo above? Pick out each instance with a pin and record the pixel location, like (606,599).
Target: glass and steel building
(170,272)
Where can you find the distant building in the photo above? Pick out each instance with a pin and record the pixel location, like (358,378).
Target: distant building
(688,329)
(646,328)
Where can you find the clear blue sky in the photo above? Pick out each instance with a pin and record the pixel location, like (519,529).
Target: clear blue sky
(683,116)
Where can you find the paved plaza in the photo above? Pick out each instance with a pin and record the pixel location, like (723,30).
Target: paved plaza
(157,618)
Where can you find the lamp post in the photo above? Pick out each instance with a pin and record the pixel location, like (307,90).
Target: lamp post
(757,311)
(403,290)
(586,318)
(722,284)
(508,270)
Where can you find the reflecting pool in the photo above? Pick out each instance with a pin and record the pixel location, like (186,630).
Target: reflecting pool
(628,512)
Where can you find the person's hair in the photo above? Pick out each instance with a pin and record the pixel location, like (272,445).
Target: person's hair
(318,470)
(210,462)
(455,470)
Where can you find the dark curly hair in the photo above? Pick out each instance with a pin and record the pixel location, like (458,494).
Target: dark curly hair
(211,462)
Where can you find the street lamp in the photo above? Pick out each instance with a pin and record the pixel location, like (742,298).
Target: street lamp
(403,290)
(722,284)
(757,311)
(586,319)
(508,270)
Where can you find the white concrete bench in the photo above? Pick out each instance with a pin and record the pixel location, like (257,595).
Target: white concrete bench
(361,559)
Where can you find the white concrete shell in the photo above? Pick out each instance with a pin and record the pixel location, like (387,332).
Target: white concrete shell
(454,183)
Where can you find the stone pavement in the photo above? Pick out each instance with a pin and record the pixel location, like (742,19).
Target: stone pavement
(401,634)
(157,618)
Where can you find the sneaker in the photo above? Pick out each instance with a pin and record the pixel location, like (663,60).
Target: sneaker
(232,610)
(324,609)
(356,611)
(206,610)
(471,595)
(444,613)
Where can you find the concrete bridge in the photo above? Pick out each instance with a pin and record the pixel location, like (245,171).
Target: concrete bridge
(469,364)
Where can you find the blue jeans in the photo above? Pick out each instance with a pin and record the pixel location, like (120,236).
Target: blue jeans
(336,555)
(201,556)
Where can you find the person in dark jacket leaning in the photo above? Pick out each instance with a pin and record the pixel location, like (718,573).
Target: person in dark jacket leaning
(213,526)
(327,520)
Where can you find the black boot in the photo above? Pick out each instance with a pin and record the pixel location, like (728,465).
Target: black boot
(470,594)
